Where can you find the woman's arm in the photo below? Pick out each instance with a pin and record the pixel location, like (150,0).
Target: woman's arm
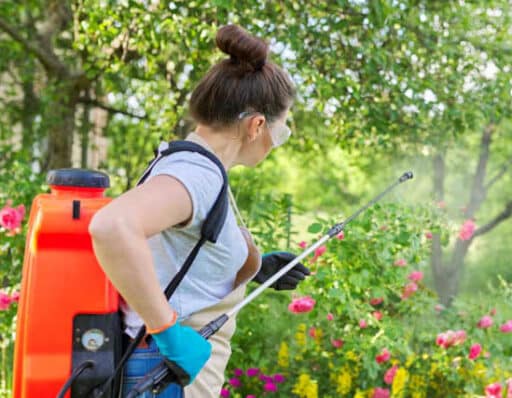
(119,234)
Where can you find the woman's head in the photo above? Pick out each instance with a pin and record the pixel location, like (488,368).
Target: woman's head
(245,81)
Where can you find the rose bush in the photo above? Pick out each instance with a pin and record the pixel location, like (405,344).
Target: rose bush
(376,329)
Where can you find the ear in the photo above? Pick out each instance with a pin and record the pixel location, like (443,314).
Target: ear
(255,127)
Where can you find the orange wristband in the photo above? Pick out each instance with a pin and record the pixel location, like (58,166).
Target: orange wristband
(162,328)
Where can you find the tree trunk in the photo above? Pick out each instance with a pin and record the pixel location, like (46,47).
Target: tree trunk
(60,125)
(441,282)
(447,276)
(30,108)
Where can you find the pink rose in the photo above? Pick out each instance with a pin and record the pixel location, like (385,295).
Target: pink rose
(384,356)
(409,289)
(303,304)
(238,372)
(330,316)
(341,235)
(224,393)
(11,218)
(5,301)
(506,327)
(337,343)
(441,340)
(303,245)
(449,338)
(485,322)
(318,252)
(460,337)
(377,315)
(380,393)
(467,230)
(415,276)
(15,297)
(493,390)
(390,375)
(428,235)
(363,324)
(474,351)
(376,301)
(400,262)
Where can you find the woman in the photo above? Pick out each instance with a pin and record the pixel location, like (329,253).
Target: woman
(142,237)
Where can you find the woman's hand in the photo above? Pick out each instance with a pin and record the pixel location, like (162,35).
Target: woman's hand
(185,347)
(273,262)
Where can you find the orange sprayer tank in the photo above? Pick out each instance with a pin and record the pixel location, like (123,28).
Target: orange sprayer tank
(61,284)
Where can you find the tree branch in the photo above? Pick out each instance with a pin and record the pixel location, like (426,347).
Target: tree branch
(506,213)
(98,104)
(478,191)
(49,60)
(503,170)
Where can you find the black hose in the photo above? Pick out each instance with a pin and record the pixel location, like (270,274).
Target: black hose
(76,372)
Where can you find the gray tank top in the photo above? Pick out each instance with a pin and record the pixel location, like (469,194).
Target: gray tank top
(212,274)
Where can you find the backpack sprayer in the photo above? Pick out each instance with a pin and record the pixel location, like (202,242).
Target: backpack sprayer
(162,375)
(68,309)
(69,327)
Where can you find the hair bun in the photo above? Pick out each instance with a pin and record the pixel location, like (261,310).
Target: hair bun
(241,46)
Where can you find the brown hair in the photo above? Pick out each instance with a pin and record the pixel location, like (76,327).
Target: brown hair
(244,82)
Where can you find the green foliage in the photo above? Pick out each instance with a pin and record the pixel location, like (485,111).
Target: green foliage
(351,273)
(19,185)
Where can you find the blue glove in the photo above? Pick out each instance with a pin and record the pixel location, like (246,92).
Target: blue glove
(184,346)
(273,262)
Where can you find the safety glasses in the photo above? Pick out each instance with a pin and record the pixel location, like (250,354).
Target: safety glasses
(279,132)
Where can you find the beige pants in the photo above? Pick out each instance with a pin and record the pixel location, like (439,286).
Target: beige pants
(210,379)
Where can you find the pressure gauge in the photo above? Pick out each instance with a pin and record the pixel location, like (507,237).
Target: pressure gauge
(93,339)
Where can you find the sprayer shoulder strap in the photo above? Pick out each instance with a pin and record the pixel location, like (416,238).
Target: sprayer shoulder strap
(216,217)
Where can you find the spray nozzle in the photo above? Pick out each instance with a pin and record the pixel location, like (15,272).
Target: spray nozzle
(406,176)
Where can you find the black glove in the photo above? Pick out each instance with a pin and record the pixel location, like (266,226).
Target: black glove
(273,262)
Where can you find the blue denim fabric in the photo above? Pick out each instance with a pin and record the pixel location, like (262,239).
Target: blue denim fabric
(141,362)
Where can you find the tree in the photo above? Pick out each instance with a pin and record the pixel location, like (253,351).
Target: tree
(387,76)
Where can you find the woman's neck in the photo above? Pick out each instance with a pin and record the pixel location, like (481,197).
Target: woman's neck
(225,145)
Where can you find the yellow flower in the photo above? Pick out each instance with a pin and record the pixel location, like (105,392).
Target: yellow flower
(433,368)
(360,394)
(352,356)
(306,387)
(300,336)
(283,358)
(416,382)
(344,382)
(399,382)
(409,361)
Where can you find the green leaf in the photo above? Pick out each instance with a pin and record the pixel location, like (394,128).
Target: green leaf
(315,228)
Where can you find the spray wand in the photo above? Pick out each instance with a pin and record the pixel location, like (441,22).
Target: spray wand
(165,373)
